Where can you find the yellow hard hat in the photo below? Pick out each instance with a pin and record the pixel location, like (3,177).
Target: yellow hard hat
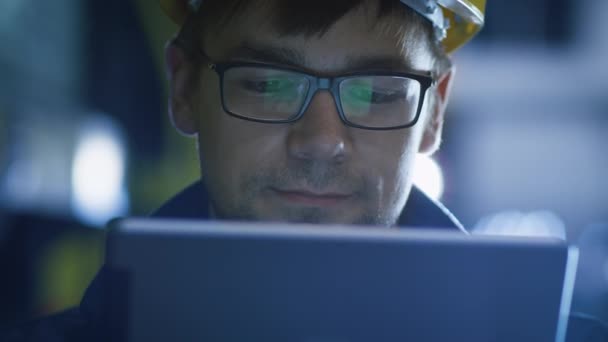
(455,21)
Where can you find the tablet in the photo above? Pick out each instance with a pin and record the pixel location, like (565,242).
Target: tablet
(178,280)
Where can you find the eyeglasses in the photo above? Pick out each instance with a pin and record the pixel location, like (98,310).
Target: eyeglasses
(369,100)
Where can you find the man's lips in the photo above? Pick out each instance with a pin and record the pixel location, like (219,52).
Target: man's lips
(311,198)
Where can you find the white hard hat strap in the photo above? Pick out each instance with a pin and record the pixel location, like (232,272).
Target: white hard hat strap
(430,10)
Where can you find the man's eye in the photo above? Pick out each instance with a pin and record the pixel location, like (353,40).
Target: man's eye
(375,96)
(271,86)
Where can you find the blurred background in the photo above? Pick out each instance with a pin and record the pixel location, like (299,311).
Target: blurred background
(84,137)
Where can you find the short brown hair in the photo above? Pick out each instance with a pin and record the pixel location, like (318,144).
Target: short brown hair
(297,17)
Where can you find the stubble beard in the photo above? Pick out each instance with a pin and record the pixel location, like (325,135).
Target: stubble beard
(317,175)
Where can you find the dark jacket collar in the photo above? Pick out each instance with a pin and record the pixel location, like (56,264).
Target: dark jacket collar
(193,203)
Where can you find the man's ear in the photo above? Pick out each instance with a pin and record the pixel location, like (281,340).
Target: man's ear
(431,138)
(180,73)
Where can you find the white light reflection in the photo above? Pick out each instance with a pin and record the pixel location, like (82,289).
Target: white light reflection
(98,172)
(428,176)
(515,223)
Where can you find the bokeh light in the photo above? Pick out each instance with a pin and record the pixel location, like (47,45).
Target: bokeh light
(428,176)
(515,223)
(98,173)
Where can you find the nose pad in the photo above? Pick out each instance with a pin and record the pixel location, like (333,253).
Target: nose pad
(320,134)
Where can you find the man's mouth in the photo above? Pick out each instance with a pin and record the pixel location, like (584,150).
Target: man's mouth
(312,198)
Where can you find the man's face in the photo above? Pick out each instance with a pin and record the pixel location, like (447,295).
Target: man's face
(317,169)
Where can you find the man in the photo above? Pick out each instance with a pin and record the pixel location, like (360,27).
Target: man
(303,111)
(273,144)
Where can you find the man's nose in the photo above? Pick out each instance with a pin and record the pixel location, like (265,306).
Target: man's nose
(320,134)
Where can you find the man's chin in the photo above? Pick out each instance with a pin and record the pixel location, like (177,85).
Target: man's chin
(319,216)
(307,215)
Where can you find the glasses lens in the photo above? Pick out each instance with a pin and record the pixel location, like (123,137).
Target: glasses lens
(264,93)
(380,101)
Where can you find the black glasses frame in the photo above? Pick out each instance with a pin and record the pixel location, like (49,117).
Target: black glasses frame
(332,84)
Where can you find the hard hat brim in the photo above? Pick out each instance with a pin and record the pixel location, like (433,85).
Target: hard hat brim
(466,18)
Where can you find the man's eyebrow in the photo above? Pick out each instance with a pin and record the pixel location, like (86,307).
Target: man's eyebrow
(379,62)
(291,57)
(268,54)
